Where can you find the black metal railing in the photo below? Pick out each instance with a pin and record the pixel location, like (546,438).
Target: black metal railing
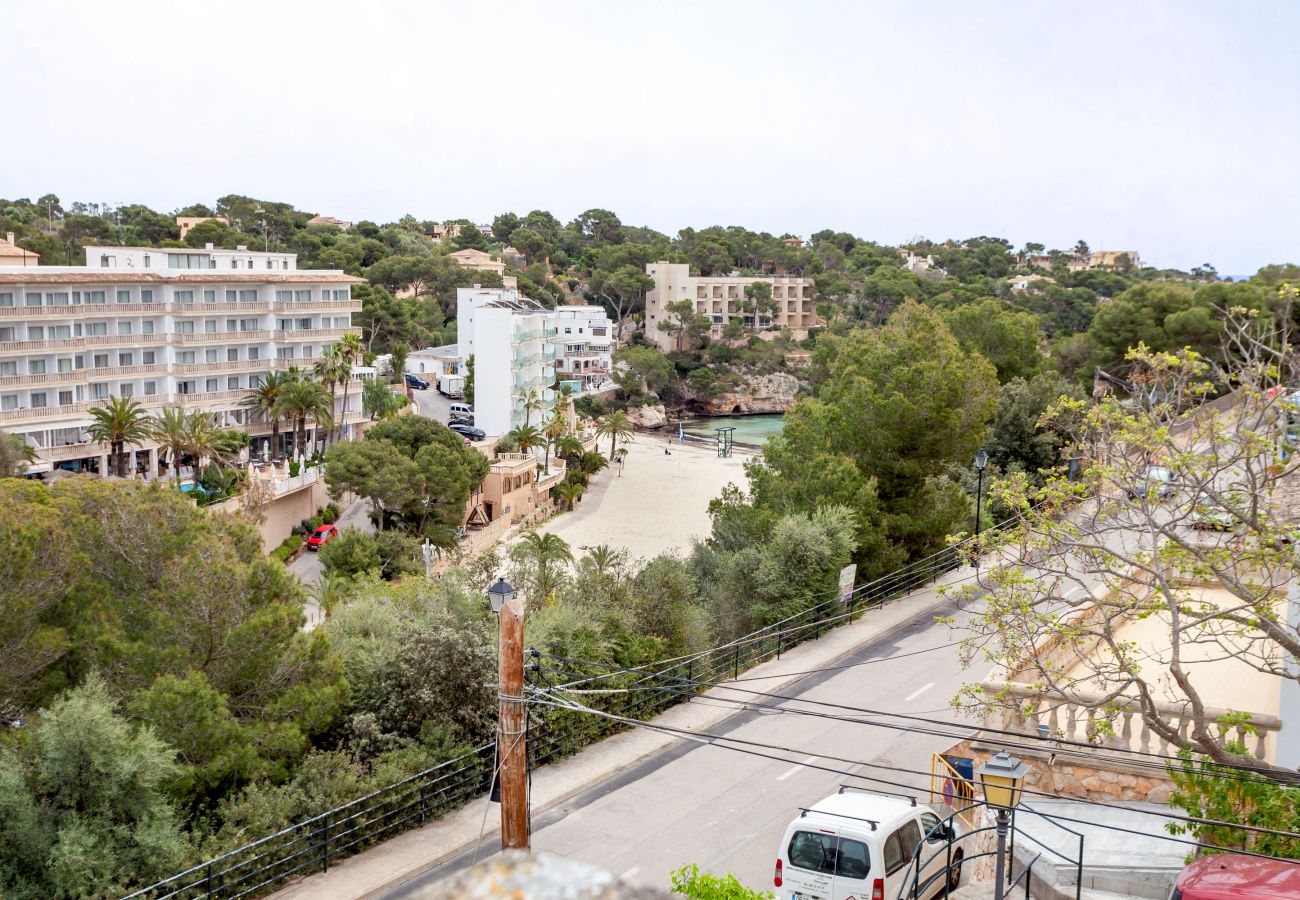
(315,843)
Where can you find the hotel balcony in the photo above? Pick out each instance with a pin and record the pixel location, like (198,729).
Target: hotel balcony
(314,334)
(40,413)
(223,337)
(341,306)
(243,365)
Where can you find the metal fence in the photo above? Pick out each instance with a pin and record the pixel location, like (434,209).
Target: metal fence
(315,843)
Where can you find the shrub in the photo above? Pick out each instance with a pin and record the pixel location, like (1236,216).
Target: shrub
(330,514)
(287,547)
(688,882)
(352,553)
(294,468)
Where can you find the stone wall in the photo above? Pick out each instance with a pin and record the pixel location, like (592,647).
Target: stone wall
(1076,775)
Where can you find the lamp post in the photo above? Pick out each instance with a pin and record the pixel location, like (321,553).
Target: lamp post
(981,460)
(512,755)
(1002,777)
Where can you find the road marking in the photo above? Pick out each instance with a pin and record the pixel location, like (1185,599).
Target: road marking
(629,873)
(1071,592)
(793,769)
(918,692)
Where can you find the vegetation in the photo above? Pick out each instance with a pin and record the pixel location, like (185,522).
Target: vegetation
(690,882)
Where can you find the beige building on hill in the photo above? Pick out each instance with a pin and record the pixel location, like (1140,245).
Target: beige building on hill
(721,298)
(187,222)
(329,220)
(479,260)
(13,255)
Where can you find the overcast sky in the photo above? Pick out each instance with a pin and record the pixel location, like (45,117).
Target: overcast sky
(1167,128)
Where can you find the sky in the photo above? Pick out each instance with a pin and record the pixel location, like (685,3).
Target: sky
(1169,128)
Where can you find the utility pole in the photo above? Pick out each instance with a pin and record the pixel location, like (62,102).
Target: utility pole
(512,751)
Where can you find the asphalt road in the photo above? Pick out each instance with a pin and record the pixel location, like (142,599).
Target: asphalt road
(725,810)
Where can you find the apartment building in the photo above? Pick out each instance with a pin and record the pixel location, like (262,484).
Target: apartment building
(13,255)
(166,327)
(584,345)
(720,297)
(509,337)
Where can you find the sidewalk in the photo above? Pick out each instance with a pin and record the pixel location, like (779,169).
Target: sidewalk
(414,852)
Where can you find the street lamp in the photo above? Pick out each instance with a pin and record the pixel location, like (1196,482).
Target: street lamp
(1001,778)
(981,460)
(500,594)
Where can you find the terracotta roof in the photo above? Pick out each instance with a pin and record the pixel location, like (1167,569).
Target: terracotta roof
(34,275)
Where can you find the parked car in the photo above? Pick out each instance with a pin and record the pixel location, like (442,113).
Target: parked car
(1228,877)
(322,536)
(461,420)
(1157,481)
(461,409)
(416,382)
(861,845)
(469,431)
(1210,514)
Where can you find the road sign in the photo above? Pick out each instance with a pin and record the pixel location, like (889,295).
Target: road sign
(847,575)
(949,792)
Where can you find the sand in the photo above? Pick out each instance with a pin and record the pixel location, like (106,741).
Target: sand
(659,503)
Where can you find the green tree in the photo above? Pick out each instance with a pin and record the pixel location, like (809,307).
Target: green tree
(300,401)
(614,426)
(375,469)
(15,455)
(1005,337)
(1208,792)
(85,811)
(687,326)
(120,422)
(377,399)
(525,437)
(400,351)
(260,401)
(532,402)
(759,297)
(350,554)
(569,492)
(690,882)
(445,471)
(1016,441)
(539,564)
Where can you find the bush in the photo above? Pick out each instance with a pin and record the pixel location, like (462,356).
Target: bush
(688,882)
(287,547)
(352,553)
(591,407)
(330,514)
(294,468)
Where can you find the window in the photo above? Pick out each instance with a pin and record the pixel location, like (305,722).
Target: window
(188,261)
(209,296)
(209,326)
(232,383)
(185,387)
(146,295)
(284,353)
(828,853)
(248,296)
(146,260)
(211,385)
(185,357)
(345,294)
(8,368)
(900,846)
(930,822)
(65,398)
(63,332)
(101,361)
(148,357)
(99,390)
(304,324)
(35,332)
(302,296)
(61,299)
(284,296)
(150,388)
(123,327)
(232,354)
(9,401)
(8,333)
(126,359)
(186,327)
(126,389)
(146,327)
(210,356)
(184,296)
(94,297)
(6,299)
(254,352)
(232,296)
(39,401)
(36,367)
(32,299)
(123,296)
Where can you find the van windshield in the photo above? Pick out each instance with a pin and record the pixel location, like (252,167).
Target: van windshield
(830,854)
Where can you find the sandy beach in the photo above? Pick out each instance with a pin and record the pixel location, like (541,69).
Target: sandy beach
(659,503)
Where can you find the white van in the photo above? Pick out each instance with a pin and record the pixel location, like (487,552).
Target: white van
(462,409)
(859,846)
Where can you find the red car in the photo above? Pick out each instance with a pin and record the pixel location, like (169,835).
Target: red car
(322,536)
(1228,877)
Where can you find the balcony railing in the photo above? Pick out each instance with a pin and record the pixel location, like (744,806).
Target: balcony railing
(315,334)
(47,412)
(223,337)
(78,375)
(317,306)
(245,365)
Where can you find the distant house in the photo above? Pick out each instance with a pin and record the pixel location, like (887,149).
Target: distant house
(479,260)
(1101,259)
(13,255)
(329,220)
(444,231)
(187,222)
(1021,283)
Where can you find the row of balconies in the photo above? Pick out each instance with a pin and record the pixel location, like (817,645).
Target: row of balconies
(157,338)
(84,310)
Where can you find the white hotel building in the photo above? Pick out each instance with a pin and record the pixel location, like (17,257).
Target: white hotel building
(510,339)
(584,345)
(195,328)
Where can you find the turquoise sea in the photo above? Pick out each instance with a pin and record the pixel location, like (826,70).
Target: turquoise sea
(749,429)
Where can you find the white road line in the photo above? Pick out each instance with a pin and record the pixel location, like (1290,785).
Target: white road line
(793,769)
(629,873)
(1071,592)
(918,692)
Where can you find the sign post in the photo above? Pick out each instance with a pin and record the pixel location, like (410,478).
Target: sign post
(847,576)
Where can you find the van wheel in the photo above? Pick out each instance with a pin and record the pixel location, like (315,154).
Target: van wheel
(954,872)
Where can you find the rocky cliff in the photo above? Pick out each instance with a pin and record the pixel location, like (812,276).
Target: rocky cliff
(773,393)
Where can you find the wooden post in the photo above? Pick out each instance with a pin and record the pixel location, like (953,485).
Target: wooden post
(510,728)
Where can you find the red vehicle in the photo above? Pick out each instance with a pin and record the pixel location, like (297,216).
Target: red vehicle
(1228,877)
(322,536)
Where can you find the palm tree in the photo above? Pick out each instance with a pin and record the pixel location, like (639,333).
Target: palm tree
(300,401)
(614,426)
(532,403)
(15,455)
(525,437)
(377,400)
(556,427)
(120,422)
(261,400)
(569,447)
(328,369)
(172,432)
(603,557)
(545,550)
(569,492)
(399,353)
(351,350)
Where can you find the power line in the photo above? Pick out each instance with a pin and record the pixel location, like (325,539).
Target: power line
(705,738)
(1257,774)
